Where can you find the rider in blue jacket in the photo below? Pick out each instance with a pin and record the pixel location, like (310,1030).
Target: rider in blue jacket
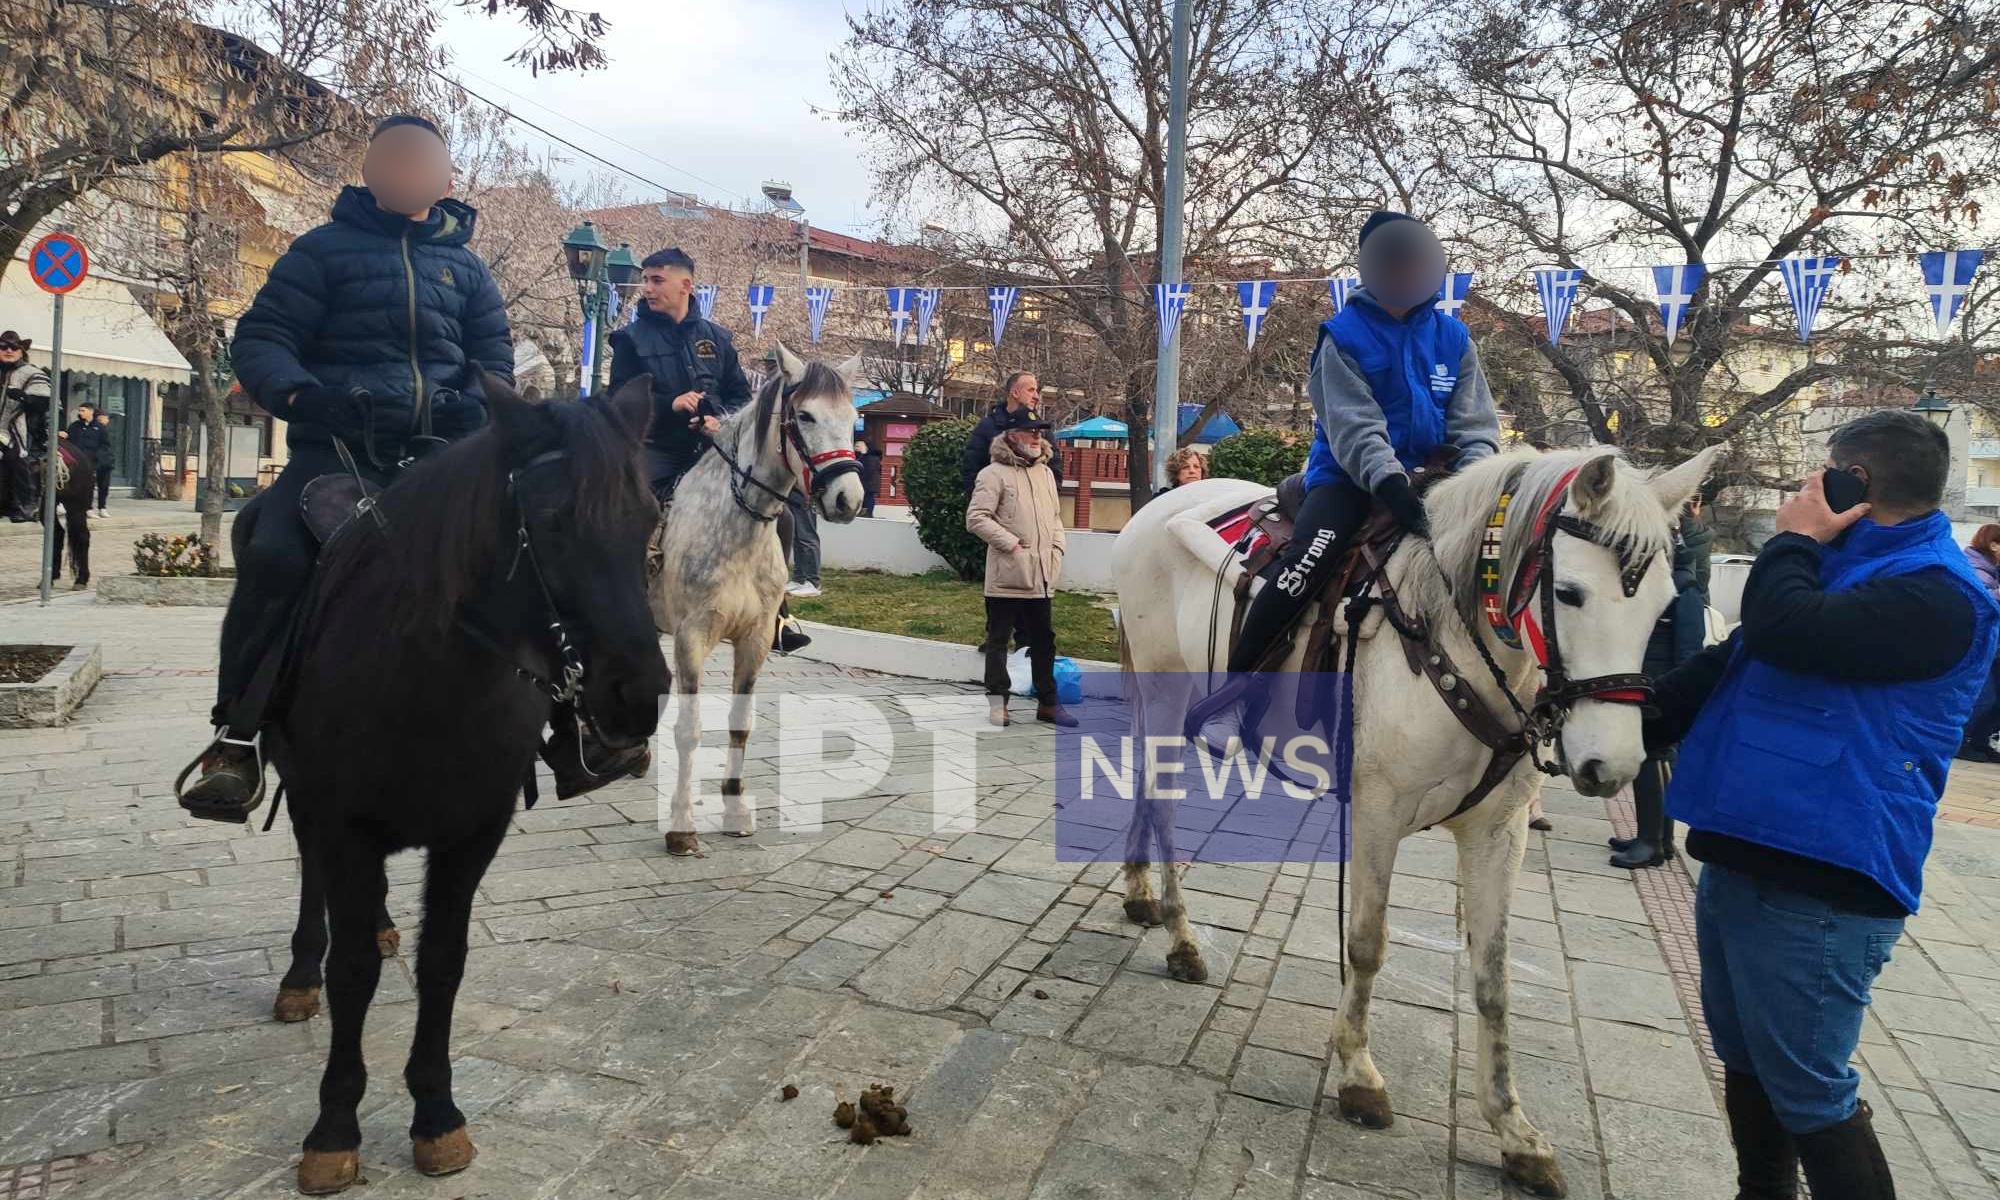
(1393,380)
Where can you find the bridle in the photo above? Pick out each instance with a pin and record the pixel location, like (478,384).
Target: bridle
(567,687)
(1506,612)
(816,471)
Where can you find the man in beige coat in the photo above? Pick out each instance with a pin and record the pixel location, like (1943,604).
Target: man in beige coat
(1017,512)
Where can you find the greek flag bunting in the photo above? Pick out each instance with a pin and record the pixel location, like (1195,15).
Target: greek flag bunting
(1808,279)
(1947,278)
(1170,299)
(1339,289)
(927,302)
(760,303)
(589,363)
(1001,301)
(1557,288)
(704,295)
(817,298)
(1675,285)
(899,309)
(1255,297)
(1451,297)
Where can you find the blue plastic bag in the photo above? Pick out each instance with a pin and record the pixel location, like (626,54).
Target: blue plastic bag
(1069,681)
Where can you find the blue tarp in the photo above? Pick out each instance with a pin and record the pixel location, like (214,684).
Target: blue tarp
(1219,426)
(1095,427)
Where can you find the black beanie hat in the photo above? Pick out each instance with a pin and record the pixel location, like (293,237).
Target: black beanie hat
(1377,220)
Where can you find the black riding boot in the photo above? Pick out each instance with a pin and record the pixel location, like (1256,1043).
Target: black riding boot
(1845,1162)
(1767,1160)
(1655,841)
(231,786)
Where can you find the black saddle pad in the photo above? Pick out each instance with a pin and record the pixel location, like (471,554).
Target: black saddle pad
(331,501)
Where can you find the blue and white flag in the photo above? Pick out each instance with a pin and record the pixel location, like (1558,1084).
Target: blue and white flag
(1339,290)
(1808,279)
(927,302)
(1947,278)
(1170,299)
(1675,284)
(704,295)
(817,298)
(1255,299)
(1557,288)
(589,355)
(760,303)
(899,309)
(1001,301)
(1451,297)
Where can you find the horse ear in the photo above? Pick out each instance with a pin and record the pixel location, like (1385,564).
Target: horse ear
(790,365)
(632,407)
(1678,486)
(851,370)
(513,418)
(1592,487)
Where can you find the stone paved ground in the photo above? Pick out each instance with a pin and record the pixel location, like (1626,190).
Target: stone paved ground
(111,541)
(627,1019)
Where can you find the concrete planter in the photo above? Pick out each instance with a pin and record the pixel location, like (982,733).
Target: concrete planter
(921,658)
(193,590)
(51,699)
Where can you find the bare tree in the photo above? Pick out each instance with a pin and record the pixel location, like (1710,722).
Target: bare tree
(1043,130)
(1603,133)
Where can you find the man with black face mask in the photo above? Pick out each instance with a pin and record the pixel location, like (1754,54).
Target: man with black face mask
(1394,380)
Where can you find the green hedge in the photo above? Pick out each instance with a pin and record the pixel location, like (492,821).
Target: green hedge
(931,484)
(1258,455)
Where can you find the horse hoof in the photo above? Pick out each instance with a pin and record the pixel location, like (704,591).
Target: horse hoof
(739,833)
(682,845)
(1142,912)
(1184,963)
(1535,1176)
(389,941)
(444,1155)
(295,1005)
(324,1172)
(79,585)
(1366,1107)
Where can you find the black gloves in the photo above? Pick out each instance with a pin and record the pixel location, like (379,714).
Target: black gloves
(1396,495)
(335,408)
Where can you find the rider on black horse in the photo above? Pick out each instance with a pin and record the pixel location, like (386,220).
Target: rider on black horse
(1393,380)
(366,339)
(697,380)
(24,425)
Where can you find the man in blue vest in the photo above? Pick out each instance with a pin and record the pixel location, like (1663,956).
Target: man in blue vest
(1393,379)
(1816,744)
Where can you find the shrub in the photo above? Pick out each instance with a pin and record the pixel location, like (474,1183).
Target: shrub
(1259,455)
(931,484)
(176,557)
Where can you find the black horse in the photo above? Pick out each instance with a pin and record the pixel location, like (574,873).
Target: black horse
(505,570)
(73,499)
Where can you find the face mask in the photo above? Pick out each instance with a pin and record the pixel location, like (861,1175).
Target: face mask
(1402,264)
(407,170)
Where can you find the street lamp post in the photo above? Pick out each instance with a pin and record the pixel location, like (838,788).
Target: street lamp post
(1935,408)
(599,273)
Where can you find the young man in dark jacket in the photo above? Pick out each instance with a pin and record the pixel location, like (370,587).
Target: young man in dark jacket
(1813,747)
(107,462)
(368,332)
(91,440)
(1020,400)
(697,377)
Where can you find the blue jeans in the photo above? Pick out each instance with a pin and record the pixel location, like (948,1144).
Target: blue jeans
(1785,982)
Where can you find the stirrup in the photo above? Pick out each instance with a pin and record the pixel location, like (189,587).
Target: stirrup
(214,812)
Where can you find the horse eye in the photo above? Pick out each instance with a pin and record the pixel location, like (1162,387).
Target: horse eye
(1570,594)
(806,418)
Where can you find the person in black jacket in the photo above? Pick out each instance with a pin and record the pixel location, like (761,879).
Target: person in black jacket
(1677,637)
(1020,398)
(107,462)
(871,475)
(697,377)
(367,332)
(90,440)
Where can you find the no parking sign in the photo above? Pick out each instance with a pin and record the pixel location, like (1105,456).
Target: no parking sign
(58,264)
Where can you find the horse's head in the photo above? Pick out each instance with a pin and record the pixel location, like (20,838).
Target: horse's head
(584,514)
(1607,577)
(814,404)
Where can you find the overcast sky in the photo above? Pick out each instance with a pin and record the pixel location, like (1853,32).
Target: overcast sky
(721,89)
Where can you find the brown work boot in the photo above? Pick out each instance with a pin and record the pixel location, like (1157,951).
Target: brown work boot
(581,763)
(1054,714)
(231,786)
(996,710)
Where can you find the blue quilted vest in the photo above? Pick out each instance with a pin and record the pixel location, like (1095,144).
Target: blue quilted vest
(1411,366)
(1842,772)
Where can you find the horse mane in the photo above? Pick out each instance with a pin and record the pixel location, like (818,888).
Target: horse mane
(448,519)
(1460,506)
(819,379)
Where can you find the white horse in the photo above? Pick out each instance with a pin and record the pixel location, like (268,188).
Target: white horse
(723,573)
(1413,762)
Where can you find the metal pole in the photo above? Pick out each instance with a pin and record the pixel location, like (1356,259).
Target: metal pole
(602,334)
(1167,377)
(49,467)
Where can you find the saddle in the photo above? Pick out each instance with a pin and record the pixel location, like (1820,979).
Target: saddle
(330,501)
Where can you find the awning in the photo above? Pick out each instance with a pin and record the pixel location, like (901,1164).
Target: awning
(105,331)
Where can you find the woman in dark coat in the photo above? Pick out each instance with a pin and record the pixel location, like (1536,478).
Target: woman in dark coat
(871,475)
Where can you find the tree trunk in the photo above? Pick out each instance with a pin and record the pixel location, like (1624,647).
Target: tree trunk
(1139,437)
(216,468)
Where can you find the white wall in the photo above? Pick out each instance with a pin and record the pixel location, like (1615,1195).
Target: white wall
(892,547)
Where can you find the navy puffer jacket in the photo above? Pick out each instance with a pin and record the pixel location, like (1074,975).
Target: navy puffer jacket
(374,300)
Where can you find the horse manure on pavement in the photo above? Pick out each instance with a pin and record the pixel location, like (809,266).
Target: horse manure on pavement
(878,1115)
(788,1093)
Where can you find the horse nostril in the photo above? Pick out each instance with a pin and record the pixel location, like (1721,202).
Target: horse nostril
(1591,774)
